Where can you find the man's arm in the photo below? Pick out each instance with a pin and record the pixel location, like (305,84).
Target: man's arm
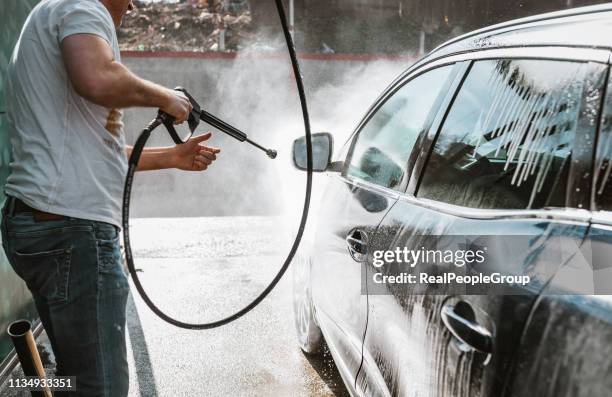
(189,156)
(97,77)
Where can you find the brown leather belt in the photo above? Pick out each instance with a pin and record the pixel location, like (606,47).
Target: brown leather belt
(38,216)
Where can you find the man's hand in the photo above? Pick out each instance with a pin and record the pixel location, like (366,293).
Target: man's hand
(178,106)
(191,156)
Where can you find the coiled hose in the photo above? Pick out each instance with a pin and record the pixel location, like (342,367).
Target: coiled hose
(133,162)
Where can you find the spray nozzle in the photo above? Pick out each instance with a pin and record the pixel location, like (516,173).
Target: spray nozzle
(198,114)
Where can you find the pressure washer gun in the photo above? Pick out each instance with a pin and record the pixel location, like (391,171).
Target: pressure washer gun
(197,114)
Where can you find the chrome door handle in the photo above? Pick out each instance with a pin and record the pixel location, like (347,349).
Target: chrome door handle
(469,333)
(357,241)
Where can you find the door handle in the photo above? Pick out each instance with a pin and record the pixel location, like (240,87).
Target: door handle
(471,334)
(357,241)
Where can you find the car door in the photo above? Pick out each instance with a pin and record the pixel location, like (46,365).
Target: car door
(504,167)
(354,203)
(567,342)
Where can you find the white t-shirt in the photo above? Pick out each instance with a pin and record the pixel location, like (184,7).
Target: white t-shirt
(68,153)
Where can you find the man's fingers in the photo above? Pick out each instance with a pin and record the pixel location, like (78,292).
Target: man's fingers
(178,106)
(203,159)
(185,100)
(185,114)
(208,155)
(198,165)
(209,149)
(201,138)
(183,117)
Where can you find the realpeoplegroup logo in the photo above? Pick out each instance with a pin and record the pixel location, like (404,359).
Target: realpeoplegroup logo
(448,278)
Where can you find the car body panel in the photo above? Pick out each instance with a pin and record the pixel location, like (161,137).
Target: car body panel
(405,333)
(350,204)
(566,345)
(341,308)
(565,348)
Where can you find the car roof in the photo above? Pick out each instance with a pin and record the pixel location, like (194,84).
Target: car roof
(586,27)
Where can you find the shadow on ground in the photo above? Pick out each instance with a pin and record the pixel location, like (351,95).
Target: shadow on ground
(325,367)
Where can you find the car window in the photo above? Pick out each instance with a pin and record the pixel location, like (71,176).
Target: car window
(383,145)
(603,158)
(506,142)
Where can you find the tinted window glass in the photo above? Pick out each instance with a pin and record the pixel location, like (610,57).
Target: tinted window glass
(506,142)
(603,164)
(384,144)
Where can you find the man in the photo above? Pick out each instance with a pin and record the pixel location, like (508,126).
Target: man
(61,220)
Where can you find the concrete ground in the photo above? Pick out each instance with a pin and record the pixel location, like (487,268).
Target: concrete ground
(200,269)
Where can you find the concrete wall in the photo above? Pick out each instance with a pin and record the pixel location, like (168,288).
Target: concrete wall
(257,94)
(394,26)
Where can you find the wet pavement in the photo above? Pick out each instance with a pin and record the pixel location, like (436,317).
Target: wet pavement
(199,269)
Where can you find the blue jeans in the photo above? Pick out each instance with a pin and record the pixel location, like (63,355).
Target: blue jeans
(73,269)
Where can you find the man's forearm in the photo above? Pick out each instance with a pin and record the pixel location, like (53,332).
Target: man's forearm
(98,77)
(156,158)
(120,88)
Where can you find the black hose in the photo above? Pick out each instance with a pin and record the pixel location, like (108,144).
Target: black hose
(133,162)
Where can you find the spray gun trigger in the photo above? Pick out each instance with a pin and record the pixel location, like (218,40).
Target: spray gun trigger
(193,121)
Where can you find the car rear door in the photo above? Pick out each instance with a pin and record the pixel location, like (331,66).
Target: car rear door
(355,202)
(504,178)
(567,342)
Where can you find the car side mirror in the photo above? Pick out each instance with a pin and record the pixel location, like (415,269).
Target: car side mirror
(322,148)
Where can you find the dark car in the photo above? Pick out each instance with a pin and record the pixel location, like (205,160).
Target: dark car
(505,135)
